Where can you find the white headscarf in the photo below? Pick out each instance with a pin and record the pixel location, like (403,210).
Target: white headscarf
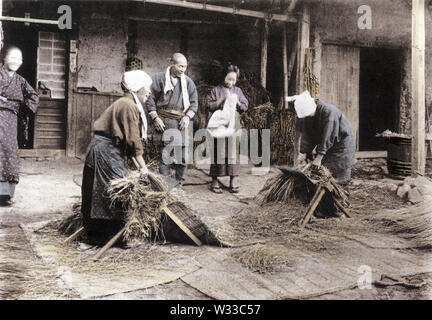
(134,81)
(304,104)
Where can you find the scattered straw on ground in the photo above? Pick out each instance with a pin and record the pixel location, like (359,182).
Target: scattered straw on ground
(414,223)
(262,258)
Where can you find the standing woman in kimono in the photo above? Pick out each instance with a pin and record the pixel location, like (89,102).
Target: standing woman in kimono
(215,101)
(15,92)
(118,134)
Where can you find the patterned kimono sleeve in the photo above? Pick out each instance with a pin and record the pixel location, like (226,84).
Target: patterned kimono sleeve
(31,98)
(212,98)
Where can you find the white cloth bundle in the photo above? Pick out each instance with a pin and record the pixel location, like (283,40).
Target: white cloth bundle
(222,122)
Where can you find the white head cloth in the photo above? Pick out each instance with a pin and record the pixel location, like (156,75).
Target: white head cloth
(134,81)
(304,104)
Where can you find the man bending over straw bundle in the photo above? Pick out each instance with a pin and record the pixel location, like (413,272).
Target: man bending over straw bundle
(117,134)
(325,128)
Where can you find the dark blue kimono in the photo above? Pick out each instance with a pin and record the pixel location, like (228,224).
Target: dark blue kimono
(173,100)
(330,132)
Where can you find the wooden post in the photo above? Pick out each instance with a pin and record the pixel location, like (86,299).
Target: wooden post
(72,79)
(285,62)
(418,156)
(1,27)
(264,44)
(303,36)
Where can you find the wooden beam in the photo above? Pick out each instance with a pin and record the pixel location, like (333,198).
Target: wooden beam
(264,45)
(418,155)
(222,9)
(28,20)
(185,21)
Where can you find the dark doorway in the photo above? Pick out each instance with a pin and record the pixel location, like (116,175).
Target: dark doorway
(380,74)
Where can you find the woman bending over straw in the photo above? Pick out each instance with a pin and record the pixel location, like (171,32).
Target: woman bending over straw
(117,134)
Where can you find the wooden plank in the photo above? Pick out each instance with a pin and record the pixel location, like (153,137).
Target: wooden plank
(264,45)
(182,226)
(109,244)
(312,206)
(101,103)
(418,154)
(83,125)
(340,81)
(102,93)
(370,154)
(41,153)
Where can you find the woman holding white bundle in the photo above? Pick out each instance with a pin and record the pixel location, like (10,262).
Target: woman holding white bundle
(227,102)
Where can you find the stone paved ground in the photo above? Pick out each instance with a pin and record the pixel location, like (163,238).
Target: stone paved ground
(48,189)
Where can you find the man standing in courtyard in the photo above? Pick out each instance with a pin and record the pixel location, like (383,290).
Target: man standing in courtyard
(172,104)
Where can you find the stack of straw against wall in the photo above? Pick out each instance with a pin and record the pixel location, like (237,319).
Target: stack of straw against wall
(282,133)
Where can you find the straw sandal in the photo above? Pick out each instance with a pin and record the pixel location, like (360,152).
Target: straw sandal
(6,203)
(216,189)
(234,189)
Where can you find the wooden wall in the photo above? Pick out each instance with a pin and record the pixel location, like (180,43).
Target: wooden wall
(86,108)
(340,76)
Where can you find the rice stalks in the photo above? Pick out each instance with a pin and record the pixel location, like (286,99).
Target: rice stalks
(261,258)
(141,198)
(414,223)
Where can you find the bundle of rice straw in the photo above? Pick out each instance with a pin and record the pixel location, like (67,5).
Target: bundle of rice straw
(257,118)
(142,198)
(73,222)
(282,187)
(201,117)
(301,186)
